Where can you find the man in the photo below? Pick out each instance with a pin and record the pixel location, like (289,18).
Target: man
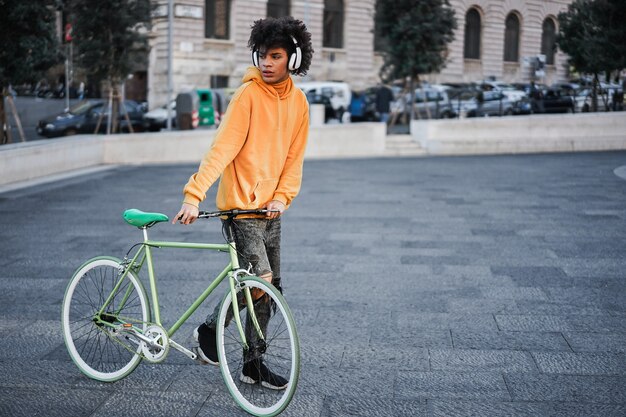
(258,151)
(536,97)
(384,97)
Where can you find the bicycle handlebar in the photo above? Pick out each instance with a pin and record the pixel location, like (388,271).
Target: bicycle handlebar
(233,213)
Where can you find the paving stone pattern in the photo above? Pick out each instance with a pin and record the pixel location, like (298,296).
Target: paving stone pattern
(451,286)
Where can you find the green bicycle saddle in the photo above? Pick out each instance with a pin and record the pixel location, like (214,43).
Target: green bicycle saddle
(139,218)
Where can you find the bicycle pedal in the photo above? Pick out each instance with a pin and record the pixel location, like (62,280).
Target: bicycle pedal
(197,358)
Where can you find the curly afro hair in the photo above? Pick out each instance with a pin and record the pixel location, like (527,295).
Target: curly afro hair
(277,32)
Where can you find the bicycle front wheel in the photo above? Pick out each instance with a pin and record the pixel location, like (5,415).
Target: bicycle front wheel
(245,369)
(97,343)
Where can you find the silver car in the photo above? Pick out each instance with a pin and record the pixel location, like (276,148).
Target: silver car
(484,104)
(430,102)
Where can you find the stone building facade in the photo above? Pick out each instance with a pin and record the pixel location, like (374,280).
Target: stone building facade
(530,25)
(210,41)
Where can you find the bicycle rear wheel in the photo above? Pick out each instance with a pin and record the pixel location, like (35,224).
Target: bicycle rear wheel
(279,352)
(95,342)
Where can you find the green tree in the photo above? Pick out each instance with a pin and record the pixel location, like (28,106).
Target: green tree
(28,48)
(592,34)
(415,35)
(111,38)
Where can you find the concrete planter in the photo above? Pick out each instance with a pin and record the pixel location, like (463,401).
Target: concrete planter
(522,134)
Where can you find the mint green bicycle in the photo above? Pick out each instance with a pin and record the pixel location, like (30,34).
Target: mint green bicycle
(109,327)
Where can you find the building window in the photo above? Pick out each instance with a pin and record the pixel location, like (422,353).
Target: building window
(548,40)
(333,23)
(511,38)
(277,8)
(472,34)
(217,19)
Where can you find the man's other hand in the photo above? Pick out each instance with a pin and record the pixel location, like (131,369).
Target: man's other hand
(188,214)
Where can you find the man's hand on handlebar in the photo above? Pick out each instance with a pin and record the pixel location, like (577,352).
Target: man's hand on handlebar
(274,209)
(188,214)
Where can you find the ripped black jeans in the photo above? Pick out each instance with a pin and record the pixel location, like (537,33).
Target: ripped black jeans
(258,244)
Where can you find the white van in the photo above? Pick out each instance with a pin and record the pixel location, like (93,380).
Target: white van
(339,93)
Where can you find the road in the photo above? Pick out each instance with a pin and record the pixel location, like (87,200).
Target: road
(450,286)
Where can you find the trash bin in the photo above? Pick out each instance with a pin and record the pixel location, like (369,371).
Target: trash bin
(187,110)
(206,112)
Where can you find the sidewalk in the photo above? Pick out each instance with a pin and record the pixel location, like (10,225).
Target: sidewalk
(449,286)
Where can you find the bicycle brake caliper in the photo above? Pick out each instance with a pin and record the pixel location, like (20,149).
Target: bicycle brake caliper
(123,265)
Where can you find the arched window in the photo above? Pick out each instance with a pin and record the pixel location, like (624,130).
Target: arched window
(333,23)
(548,40)
(217,19)
(511,38)
(277,8)
(472,34)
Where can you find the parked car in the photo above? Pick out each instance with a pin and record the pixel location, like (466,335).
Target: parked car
(584,101)
(484,104)
(460,86)
(432,102)
(84,118)
(512,93)
(570,89)
(523,106)
(156,119)
(338,92)
(607,100)
(554,101)
(525,87)
(329,112)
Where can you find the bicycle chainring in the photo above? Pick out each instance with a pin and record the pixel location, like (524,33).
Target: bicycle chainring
(160,344)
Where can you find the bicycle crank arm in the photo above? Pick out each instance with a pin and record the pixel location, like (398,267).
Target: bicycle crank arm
(183,350)
(148,341)
(132,339)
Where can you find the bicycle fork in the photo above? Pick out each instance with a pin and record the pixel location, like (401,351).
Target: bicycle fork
(234,284)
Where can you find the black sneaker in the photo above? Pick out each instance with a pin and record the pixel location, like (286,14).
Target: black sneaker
(255,371)
(206,338)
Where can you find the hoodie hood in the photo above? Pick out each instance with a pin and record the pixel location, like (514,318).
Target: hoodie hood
(254,74)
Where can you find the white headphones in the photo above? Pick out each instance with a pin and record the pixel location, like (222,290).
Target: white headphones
(295,59)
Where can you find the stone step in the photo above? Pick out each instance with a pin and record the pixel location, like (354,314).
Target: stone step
(402,145)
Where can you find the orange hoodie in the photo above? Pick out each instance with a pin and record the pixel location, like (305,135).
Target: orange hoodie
(258,148)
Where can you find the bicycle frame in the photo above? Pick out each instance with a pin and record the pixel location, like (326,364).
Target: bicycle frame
(144,255)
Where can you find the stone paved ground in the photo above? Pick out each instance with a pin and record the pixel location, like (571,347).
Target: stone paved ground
(484,286)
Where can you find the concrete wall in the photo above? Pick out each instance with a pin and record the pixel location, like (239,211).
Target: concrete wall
(30,160)
(346,141)
(39,159)
(157,148)
(522,134)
